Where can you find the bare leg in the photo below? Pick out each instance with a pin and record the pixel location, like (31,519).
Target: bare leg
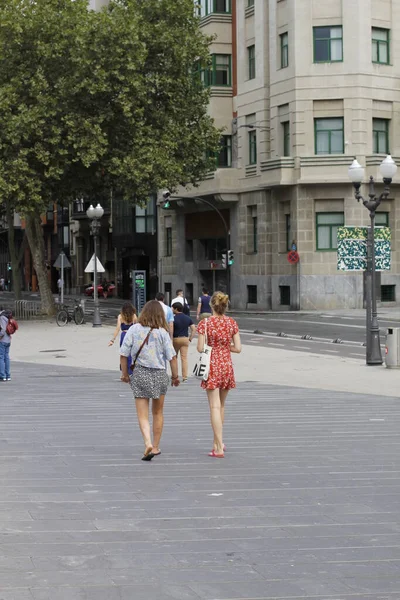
(157,407)
(222,397)
(215,416)
(142,409)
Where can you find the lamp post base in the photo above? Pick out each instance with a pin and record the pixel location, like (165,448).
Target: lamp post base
(96,317)
(374,354)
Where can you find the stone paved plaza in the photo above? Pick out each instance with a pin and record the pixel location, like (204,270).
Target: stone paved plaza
(305,504)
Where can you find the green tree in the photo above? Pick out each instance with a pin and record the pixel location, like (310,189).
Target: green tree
(95,101)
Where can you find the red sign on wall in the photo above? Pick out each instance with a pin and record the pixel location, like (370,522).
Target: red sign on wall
(293,257)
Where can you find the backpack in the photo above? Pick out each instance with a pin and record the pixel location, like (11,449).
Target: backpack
(186,309)
(12,324)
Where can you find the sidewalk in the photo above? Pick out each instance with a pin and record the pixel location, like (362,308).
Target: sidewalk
(85,346)
(305,504)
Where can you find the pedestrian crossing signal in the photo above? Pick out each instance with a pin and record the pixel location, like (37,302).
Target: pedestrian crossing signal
(167,203)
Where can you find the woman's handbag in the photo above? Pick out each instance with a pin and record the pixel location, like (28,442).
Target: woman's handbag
(202,367)
(145,341)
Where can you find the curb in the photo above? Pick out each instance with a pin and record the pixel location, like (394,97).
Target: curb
(307,337)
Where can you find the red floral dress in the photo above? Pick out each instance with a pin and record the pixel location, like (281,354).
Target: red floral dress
(220,331)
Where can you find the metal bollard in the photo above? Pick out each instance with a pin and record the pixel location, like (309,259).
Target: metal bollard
(392,349)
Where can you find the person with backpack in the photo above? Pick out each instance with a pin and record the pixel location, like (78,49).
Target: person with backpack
(180,298)
(8,326)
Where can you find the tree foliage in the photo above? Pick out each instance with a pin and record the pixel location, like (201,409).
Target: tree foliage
(98,99)
(91,101)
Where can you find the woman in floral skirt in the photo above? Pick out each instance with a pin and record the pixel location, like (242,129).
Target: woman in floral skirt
(222,334)
(149,344)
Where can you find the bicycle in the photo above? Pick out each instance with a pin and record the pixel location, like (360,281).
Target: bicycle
(64,315)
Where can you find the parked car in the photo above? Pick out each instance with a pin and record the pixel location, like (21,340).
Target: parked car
(104,290)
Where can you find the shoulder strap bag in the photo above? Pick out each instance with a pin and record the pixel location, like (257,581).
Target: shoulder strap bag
(202,367)
(145,341)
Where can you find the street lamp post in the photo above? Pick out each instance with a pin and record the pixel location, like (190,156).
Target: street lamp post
(95,214)
(388,170)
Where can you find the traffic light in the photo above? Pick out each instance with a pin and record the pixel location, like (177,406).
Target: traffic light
(166,197)
(9,267)
(231,259)
(223,261)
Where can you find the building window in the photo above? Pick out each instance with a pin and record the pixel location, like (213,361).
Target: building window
(221,70)
(251,59)
(224,158)
(328,44)
(380,136)
(380,46)
(285,295)
(207,7)
(288,226)
(329,137)
(252,147)
(250,3)
(388,293)
(168,241)
(382,219)
(286,138)
(284,50)
(255,233)
(327,226)
(218,73)
(251,294)
(168,292)
(145,218)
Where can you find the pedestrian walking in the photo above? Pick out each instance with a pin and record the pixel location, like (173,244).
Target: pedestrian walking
(126,319)
(182,300)
(8,326)
(169,315)
(203,306)
(222,335)
(182,338)
(150,346)
(60,284)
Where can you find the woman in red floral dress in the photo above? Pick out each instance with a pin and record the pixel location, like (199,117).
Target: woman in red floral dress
(223,336)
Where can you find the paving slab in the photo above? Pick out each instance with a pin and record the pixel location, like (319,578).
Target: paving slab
(305,504)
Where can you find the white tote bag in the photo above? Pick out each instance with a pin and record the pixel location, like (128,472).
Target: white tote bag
(202,367)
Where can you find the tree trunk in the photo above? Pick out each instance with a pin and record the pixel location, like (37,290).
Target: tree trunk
(15,262)
(34,232)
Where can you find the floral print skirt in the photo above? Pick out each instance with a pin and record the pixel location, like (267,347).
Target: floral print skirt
(149,383)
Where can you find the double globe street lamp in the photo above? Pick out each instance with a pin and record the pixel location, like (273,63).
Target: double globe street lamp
(94,214)
(388,170)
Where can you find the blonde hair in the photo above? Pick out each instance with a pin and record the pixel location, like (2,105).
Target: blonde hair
(152,315)
(219,302)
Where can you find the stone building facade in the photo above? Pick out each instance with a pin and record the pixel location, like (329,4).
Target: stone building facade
(301,87)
